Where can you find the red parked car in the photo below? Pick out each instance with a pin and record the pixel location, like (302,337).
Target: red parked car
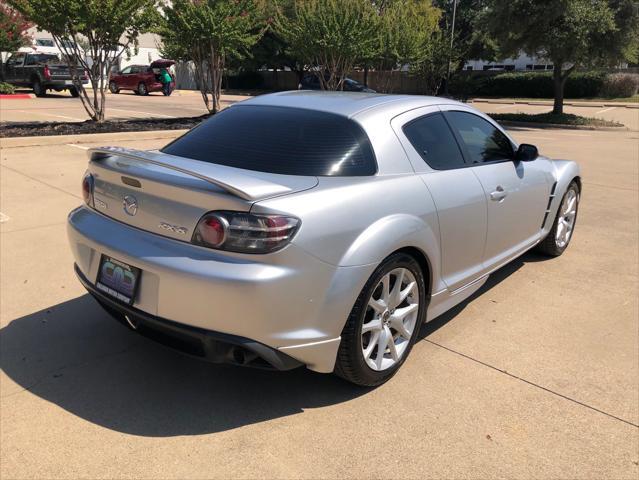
(142,79)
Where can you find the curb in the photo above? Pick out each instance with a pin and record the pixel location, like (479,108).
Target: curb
(16,96)
(550,104)
(512,123)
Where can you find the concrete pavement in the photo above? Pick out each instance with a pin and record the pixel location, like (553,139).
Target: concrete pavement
(535,376)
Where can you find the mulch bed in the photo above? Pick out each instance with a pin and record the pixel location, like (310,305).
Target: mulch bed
(33,129)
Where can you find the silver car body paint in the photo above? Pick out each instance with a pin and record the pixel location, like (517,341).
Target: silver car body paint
(298,299)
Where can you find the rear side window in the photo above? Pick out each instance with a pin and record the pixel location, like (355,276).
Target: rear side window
(431,136)
(290,141)
(484,142)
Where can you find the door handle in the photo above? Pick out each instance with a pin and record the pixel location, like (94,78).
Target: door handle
(499,194)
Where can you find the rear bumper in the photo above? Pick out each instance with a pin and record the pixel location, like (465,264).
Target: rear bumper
(289,301)
(60,83)
(213,346)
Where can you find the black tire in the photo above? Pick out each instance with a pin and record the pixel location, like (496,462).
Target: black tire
(350,363)
(38,88)
(113,88)
(74,92)
(142,90)
(549,246)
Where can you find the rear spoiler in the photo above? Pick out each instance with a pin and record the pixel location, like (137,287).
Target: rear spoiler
(245,184)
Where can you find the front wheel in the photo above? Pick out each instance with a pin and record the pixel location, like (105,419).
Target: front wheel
(142,90)
(562,229)
(38,89)
(384,322)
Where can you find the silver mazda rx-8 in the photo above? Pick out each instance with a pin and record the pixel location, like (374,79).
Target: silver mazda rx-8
(314,229)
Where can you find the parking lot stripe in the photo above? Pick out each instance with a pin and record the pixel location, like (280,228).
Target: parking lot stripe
(605,110)
(31,112)
(76,146)
(144,113)
(4,218)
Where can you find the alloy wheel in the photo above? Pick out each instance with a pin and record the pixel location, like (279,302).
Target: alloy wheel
(567,216)
(390,319)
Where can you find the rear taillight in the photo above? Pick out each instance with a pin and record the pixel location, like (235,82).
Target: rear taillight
(47,72)
(245,232)
(85,76)
(87,189)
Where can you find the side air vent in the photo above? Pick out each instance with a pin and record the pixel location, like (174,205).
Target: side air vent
(550,197)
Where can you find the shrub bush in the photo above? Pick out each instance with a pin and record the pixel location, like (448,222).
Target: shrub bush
(7,88)
(620,85)
(529,85)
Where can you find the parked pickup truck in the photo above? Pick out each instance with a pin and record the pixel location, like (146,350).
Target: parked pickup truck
(40,71)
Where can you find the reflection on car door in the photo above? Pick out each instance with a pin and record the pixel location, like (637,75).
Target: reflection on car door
(455,190)
(516,192)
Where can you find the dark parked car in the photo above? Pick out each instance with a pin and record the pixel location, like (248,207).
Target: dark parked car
(311,82)
(41,72)
(142,79)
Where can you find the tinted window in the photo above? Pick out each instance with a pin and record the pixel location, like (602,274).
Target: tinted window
(126,71)
(41,58)
(290,141)
(433,140)
(483,141)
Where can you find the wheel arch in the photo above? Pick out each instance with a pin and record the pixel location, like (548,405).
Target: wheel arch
(424,264)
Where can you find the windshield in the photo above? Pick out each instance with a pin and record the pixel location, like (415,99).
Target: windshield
(290,141)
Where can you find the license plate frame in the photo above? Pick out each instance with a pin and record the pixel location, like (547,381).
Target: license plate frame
(118,279)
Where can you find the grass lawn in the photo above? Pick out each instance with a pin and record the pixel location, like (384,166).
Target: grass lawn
(563,119)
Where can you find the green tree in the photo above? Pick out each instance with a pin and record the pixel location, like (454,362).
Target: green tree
(432,66)
(331,36)
(209,33)
(13,29)
(405,34)
(571,33)
(108,28)
(471,41)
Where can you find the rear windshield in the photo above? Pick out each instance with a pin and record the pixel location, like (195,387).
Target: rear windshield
(290,141)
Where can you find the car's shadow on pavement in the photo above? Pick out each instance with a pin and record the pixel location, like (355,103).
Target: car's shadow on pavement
(75,356)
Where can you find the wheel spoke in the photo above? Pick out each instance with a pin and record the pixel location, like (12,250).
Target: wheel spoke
(373,325)
(371,345)
(398,325)
(382,343)
(393,349)
(402,313)
(397,289)
(406,292)
(377,305)
(385,288)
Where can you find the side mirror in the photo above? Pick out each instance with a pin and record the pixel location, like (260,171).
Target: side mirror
(526,153)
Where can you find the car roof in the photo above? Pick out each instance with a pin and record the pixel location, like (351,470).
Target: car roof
(347,104)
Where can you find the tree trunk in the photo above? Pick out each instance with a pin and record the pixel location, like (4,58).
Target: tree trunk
(558,84)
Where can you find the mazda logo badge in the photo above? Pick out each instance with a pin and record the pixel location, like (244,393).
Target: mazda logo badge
(130,205)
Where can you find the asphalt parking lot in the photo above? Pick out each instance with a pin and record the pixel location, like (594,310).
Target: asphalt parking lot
(61,107)
(535,376)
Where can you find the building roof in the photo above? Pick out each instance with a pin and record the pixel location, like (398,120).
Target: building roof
(347,104)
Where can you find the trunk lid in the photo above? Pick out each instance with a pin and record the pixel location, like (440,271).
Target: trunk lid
(168,195)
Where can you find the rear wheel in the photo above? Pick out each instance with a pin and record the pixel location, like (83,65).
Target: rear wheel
(38,88)
(383,325)
(142,90)
(113,88)
(562,229)
(74,92)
